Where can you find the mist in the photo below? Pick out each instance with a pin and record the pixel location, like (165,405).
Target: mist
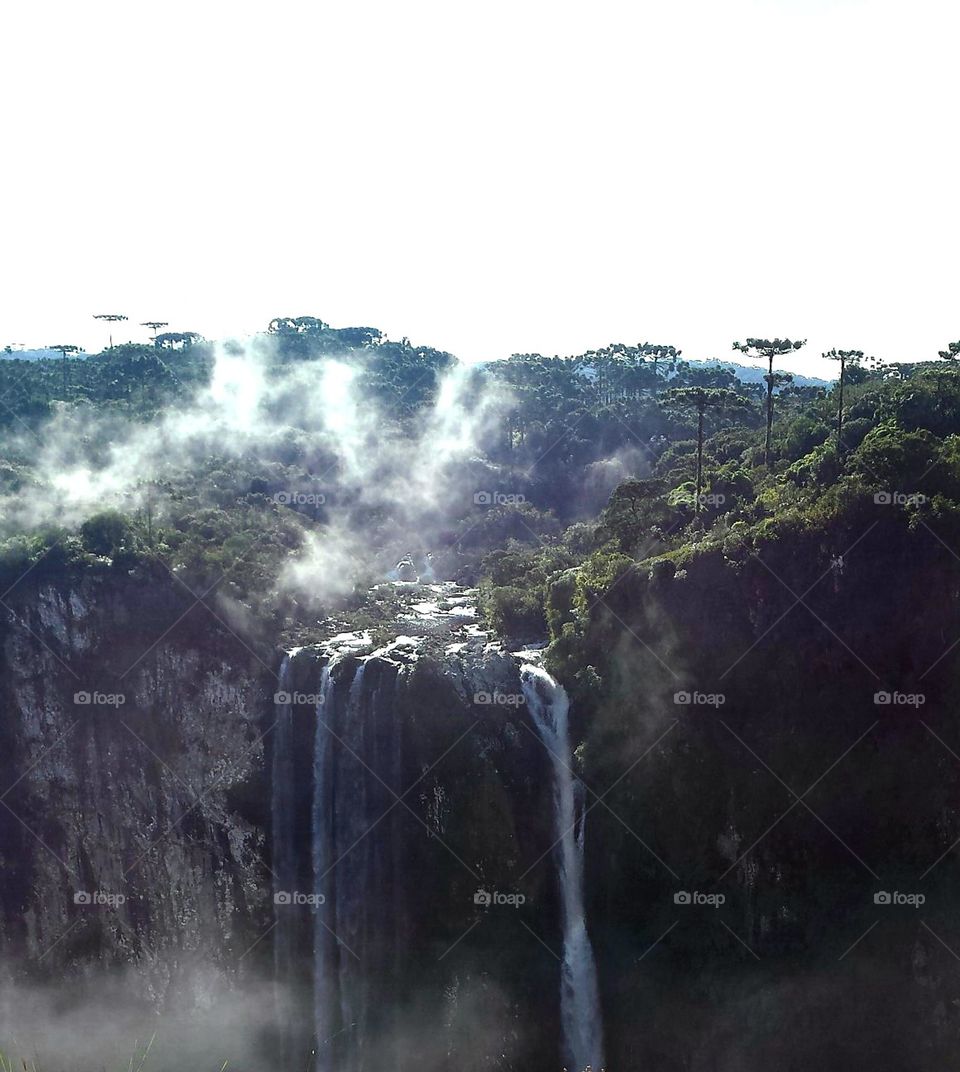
(377,486)
(95,1021)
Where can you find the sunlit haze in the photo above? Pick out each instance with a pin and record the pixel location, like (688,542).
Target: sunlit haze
(486,179)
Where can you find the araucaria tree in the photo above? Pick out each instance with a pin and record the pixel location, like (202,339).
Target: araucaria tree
(65,348)
(847,359)
(110,318)
(701,399)
(657,352)
(154,326)
(767,350)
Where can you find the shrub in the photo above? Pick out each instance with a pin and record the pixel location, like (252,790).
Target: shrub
(514,612)
(107,533)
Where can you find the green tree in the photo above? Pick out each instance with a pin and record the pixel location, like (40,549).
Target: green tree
(701,399)
(107,533)
(297,325)
(110,318)
(172,340)
(847,359)
(767,350)
(952,352)
(627,515)
(657,352)
(65,348)
(154,326)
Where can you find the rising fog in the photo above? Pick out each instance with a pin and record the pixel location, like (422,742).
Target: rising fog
(311,429)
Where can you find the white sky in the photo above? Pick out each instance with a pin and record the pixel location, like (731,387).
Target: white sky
(485,178)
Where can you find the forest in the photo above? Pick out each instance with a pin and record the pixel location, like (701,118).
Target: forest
(619,460)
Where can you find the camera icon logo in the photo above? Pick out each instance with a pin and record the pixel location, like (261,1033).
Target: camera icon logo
(882,697)
(483,898)
(282,497)
(881,897)
(81,697)
(883,498)
(281,697)
(282,898)
(482,498)
(681,697)
(81,897)
(681,897)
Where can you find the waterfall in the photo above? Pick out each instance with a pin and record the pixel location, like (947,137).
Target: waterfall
(282,820)
(351,878)
(549,706)
(339,836)
(340,871)
(324,951)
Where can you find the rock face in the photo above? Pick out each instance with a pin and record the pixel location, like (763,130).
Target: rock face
(132,831)
(414,806)
(724,701)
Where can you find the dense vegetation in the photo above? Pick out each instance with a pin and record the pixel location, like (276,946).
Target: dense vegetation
(624,462)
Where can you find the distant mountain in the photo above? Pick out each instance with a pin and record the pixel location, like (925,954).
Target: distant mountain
(755,373)
(744,373)
(33,355)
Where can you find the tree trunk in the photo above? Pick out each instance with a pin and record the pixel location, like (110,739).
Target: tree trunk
(840,414)
(766,448)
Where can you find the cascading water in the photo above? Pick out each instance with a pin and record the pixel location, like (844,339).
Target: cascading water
(549,706)
(351,877)
(340,832)
(342,874)
(324,953)
(282,809)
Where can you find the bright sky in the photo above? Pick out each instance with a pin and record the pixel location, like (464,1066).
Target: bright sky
(489,178)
